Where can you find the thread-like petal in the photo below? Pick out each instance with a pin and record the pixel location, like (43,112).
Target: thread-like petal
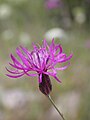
(15,76)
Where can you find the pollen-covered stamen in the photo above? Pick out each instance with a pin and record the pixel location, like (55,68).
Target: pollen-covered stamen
(45,86)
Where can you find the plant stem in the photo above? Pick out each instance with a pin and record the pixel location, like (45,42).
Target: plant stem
(49,97)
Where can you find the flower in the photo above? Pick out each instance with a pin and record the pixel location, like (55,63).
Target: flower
(57,33)
(5,11)
(52,4)
(42,60)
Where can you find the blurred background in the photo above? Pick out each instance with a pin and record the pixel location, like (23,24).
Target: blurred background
(25,21)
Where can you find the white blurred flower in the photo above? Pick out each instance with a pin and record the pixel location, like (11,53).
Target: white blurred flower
(13,99)
(55,33)
(17,98)
(25,38)
(8,35)
(79,15)
(5,11)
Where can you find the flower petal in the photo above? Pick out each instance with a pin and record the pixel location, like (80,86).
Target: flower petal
(45,44)
(13,72)
(40,78)
(57,79)
(67,58)
(52,74)
(29,74)
(62,68)
(15,61)
(15,76)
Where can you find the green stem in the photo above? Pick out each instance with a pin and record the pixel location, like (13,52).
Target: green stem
(49,97)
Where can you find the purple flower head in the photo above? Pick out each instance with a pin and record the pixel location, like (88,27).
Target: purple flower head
(42,60)
(52,4)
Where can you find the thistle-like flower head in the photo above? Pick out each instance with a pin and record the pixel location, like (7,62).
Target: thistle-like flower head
(42,60)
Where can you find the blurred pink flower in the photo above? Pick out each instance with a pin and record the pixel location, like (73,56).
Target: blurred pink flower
(42,60)
(52,4)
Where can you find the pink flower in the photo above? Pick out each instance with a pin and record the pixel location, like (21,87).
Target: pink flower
(42,60)
(52,4)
